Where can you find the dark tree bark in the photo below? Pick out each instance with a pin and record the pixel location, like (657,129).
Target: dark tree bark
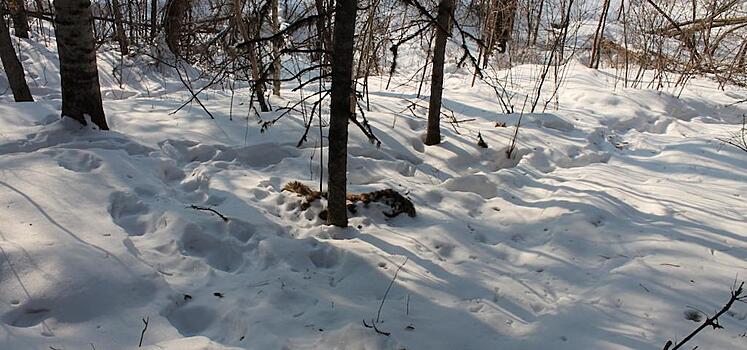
(598,36)
(535,32)
(252,53)
(153,19)
(499,22)
(176,11)
(342,109)
(81,94)
(13,67)
(131,17)
(119,28)
(443,32)
(505,15)
(20,20)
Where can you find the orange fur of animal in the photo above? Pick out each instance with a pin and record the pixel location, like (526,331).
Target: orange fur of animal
(390,197)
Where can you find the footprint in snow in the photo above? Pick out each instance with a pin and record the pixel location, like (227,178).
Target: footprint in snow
(76,160)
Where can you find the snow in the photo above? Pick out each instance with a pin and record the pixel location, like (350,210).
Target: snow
(619,212)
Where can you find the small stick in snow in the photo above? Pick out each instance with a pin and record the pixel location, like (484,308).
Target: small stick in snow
(373,325)
(407,308)
(378,313)
(668,264)
(383,300)
(480,141)
(145,328)
(196,207)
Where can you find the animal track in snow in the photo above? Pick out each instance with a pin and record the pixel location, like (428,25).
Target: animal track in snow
(191,320)
(132,214)
(27,316)
(325,257)
(222,255)
(260,156)
(76,160)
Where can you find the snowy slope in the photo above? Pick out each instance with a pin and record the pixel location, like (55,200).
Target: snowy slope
(619,213)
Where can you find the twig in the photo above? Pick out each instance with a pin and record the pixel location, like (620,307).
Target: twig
(407,309)
(383,300)
(196,207)
(737,294)
(145,328)
(739,138)
(378,313)
(373,325)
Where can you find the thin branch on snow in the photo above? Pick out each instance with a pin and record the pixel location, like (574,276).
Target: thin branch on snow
(145,328)
(196,207)
(737,294)
(383,300)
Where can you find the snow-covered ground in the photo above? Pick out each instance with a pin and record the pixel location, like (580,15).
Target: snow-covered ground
(620,212)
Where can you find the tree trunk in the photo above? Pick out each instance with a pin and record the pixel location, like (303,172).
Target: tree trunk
(153,19)
(276,45)
(20,21)
(13,67)
(259,79)
(254,60)
(505,23)
(599,36)
(131,18)
(119,28)
(537,23)
(176,10)
(81,94)
(323,36)
(341,110)
(443,32)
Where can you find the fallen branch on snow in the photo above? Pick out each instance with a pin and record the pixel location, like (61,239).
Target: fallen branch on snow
(383,300)
(737,294)
(196,207)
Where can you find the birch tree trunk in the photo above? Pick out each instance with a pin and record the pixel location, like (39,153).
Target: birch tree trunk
(81,94)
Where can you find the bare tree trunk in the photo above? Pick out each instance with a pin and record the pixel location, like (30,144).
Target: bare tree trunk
(119,28)
(39,6)
(342,109)
(259,80)
(488,32)
(506,13)
(131,17)
(599,36)
(81,94)
(20,21)
(13,67)
(276,45)
(443,32)
(323,35)
(153,19)
(537,22)
(176,11)
(254,60)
